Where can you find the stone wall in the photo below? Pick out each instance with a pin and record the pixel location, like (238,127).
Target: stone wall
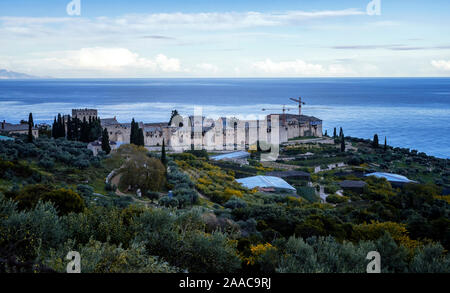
(242,136)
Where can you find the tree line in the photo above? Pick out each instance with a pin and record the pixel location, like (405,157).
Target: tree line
(75,129)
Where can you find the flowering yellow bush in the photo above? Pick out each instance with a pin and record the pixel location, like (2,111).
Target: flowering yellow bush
(257,251)
(297,201)
(398,232)
(204,180)
(229,191)
(211,181)
(443,197)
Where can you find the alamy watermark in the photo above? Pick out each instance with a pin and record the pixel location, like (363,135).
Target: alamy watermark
(374,7)
(74,266)
(374,266)
(74,8)
(227,134)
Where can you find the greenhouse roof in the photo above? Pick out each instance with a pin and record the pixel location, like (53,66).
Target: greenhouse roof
(233,155)
(391,177)
(265,182)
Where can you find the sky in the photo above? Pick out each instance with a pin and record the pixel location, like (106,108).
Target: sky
(199,38)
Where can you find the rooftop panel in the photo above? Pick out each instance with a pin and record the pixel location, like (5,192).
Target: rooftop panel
(265,182)
(391,177)
(234,155)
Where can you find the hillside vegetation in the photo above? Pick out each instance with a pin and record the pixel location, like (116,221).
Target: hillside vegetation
(54,199)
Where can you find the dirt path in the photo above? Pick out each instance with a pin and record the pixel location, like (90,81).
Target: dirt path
(115,181)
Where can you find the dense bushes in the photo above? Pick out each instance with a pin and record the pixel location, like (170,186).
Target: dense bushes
(182,187)
(242,231)
(325,255)
(210,180)
(137,239)
(337,199)
(25,234)
(199,153)
(49,151)
(65,200)
(99,257)
(194,250)
(9,169)
(307,193)
(144,173)
(115,240)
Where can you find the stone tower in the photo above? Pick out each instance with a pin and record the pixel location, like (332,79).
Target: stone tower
(84,113)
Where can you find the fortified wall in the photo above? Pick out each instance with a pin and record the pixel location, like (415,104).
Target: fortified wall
(221,134)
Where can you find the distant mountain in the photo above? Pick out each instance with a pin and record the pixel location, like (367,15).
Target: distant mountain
(6,74)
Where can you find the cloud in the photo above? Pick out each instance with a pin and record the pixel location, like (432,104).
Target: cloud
(158,37)
(441,64)
(105,58)
(300,68)
(364,47)
(142,23)
(208,68)
(393,47)
(115,59)
(387,23)
(167,64)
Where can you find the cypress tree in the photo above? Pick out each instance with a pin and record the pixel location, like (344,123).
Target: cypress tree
(140,137)
(341,133)
(105,141)
(342,144)
(326,132)
(54,128)
(163,154)
(69,133)
(95,129)
(63,128)
(132,134)
(174,113)
(334,133)
(76,128)
(375,141)
(84,131)
(59,126)
(385,143)
(30,127)
(98,128)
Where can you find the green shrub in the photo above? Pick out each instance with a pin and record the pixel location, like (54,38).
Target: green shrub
(169,202)
(65,200)
(98,257)
(337,199)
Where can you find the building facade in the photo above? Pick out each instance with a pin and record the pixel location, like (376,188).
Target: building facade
(21,128)
(199,132)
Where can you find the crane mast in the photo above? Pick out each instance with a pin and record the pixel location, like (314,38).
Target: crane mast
(300,103)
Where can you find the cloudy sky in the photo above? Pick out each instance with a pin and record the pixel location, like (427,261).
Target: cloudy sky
(232,38)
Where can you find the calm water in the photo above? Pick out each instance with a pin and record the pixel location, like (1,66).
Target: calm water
(413,113)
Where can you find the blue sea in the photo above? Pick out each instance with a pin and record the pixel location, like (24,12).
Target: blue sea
(411,112)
